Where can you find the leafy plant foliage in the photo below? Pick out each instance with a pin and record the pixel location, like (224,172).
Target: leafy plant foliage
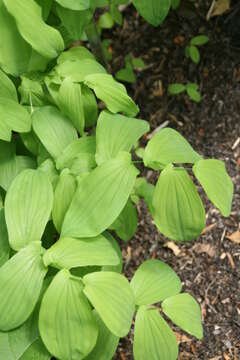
(67,178)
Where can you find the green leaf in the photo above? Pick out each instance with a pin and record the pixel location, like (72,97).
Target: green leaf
(168,146)
(75,53)
(153,338)
(90,106)
(84,145)
(194,54)
(28,205)
(178,210)
(21,280)
(16,56)
(53,129)
(216,182)
(175,4)
(36,351)
(153,282)
(14,116)
(116,247)
(63,194)
(46,6)
(100,198)
(112,297)
(4,244)
(113,94)
(11,167)
(126,74)
(27,14)
(193,93)
(138,63)
(175,89)
(83,163)
(7,88)
(199,40)
(66,323)
(106,342)
(69,253)
(48,168)
(79,70)
(71,104)
(117,133)
(106,21)
(146,191)
(153,11)
(32,93)
(185,312)
(74,21)
(126,224)
(75,4)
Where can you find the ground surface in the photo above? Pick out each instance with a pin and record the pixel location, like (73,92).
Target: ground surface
(209,267)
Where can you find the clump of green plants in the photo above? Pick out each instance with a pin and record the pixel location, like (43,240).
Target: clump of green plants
(192,51)
(68,185)
(127,74)
(192,90)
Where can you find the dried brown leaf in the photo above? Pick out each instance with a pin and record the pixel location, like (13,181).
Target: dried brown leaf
(218,8)
(172,246)
(234,237)
(205,248)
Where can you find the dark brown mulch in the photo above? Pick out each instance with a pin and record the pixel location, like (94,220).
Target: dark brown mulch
(209,267)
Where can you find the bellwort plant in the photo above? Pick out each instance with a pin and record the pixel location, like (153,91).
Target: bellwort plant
(68,185)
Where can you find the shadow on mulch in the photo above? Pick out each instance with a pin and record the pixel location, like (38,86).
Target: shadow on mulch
(209,267)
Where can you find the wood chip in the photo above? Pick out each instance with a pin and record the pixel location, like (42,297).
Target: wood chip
(230,259)
(181,338)
(172,246)
(234,237)
(205,248)
(226,357)
(209,228)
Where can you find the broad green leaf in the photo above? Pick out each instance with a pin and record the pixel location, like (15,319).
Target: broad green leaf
(105,21)
(27,14)
(113,94)
(36,351)
(28,205)
(194,54)
(146,191)
(126,223)
(11,167)
(116,247)
(106,342)
(74,21)
(83,163)
(79,70)
(168,146)
(31,142)
(71,104)
(84,145)
(193,93)
(75,53)
(21,280)
(175,4)
(4,244)
(127,75)
(14,116)
(100,198)
(66,323)
(199,40)
(216,182)
(14,343)
(63,194)
(90,106)
(153,338)
(53,129)
(75,4)
(46,6)
(69,253)
(138,63)
(154,11)
(185,312)
(16,56)
(153,282)
(117,133)
(7,88)
(113,299)
(5,131)
(32,93)
(178,210)
(175,89)
(48,168)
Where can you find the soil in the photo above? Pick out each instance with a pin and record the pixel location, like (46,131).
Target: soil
(209,266)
